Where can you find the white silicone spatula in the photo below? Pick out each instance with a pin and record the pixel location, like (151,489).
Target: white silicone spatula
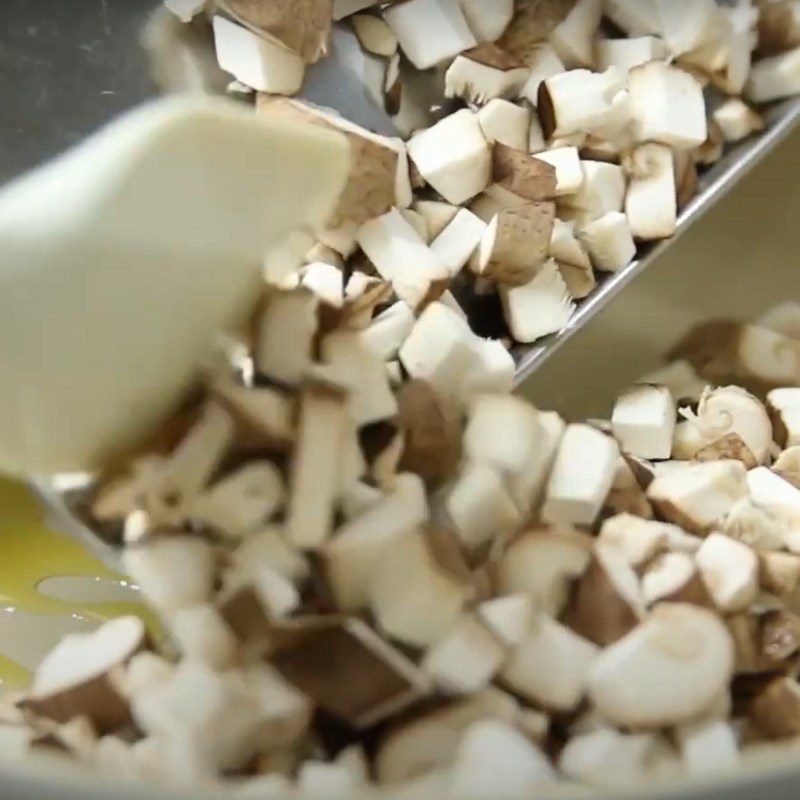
(120,260)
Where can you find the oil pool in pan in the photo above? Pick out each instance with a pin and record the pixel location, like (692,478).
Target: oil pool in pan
(49,585)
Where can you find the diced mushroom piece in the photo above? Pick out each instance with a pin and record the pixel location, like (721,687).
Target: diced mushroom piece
(737,120)
(522,174)
(502,431)
(455,245)
(608,759)
(730,572)
(261,62)
(651,203)
(578,101)
(167,489)
(754,526)
(544,63)
(492,370)
(728,446)
(430,741)
(551,666)
(775,711)
(488,19)
(402,257)
(284,335)
(579,278)
(508,617)
(778,497)
(269,548)
(326,281)
(484,73)
(581,477)
(202,634)
(683,646)
(706,154)
(77,677)
(453,156)
(315,466)
(733,77)
(774,493)
(644,420)
(378,177)
(673,577)
(629,53)
(489,203)
(430,31)
(422,617)
(610,242)
(722,412)
(637,540)
(479,505)
(350,672)
(387,332)
(708,746)
(214,714)
(526,487)
(241,502)
(350,558)
(505,123)
(538,308)
(439,349)
(494,756)
(602,191)
(788,462)
(362,295)
(172,572)
(322,779)
(607,601)
(437,215)
(756,358)
(374,35)
(466,659)
(568,251)
(302,27)
(627,495)
(514,246)
(774,77)
(667,106)
(784,409)
(542,565)
(780,573)
(691,28)
(363,373)
(567,163)
(573,38)
(431,425)
(698,496)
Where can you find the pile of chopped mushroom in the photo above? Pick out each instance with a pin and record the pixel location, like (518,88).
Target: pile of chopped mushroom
(566,133)
(372,582)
